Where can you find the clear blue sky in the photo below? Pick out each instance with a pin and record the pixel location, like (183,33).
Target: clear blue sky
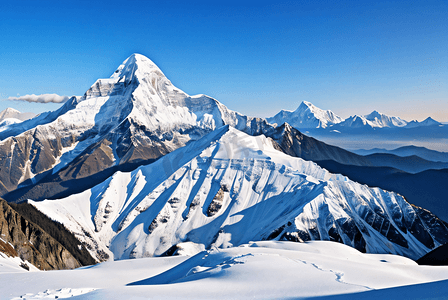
(256,57)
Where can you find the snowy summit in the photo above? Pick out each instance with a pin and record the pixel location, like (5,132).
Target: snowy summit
(306,116)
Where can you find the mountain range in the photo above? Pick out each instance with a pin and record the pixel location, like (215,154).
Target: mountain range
(136,168)
(308,116)
(430,155)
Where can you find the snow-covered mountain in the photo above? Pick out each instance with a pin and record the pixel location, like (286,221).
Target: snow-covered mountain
(189,171)
(229,188)
(373,120)
(135,116)
(132,118)
(12,116)
(306,116)
(427,122)
(11,113)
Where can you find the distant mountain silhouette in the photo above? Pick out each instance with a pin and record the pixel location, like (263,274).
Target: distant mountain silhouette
(410,164)
(428,189)
(422,152)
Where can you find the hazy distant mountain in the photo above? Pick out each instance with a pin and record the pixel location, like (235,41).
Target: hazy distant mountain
(306,116)
(318,122)
(427,122)
(12,116)
(428,189)
(410,164)
(373,120)
(11,113)
(422,152)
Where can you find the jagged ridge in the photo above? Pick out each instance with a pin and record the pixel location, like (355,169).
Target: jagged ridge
(229,188)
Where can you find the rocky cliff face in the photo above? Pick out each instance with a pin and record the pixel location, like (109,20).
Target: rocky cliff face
(294,143)
(22,238)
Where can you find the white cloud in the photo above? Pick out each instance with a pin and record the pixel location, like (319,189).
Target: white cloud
(44,98)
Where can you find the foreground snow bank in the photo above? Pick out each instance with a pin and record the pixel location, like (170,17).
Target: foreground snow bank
(261,270)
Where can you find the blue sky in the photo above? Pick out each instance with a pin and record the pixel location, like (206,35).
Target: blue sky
(256,57)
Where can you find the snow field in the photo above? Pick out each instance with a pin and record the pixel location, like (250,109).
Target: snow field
(260,270)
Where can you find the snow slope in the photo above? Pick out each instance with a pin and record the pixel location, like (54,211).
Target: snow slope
(12,264)
(8,121)
(229,188)
(258,270)
(306,116)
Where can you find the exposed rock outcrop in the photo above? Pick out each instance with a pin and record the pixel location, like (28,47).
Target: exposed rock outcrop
(31,243)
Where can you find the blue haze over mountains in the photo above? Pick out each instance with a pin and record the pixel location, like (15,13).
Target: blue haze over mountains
(375,130)
(129,128)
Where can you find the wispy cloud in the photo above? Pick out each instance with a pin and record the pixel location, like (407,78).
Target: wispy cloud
(44,98)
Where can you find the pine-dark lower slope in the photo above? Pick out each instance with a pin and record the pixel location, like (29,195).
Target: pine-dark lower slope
(56,230)
(35,238)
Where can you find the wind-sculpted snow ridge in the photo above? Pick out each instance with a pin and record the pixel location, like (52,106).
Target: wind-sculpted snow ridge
(229,188)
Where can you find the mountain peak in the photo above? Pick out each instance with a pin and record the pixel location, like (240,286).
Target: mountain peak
(9,110)
(306,115)
(427,122)
(308,104)
(11,113)
(374,114)
(136,64)
(430,121)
